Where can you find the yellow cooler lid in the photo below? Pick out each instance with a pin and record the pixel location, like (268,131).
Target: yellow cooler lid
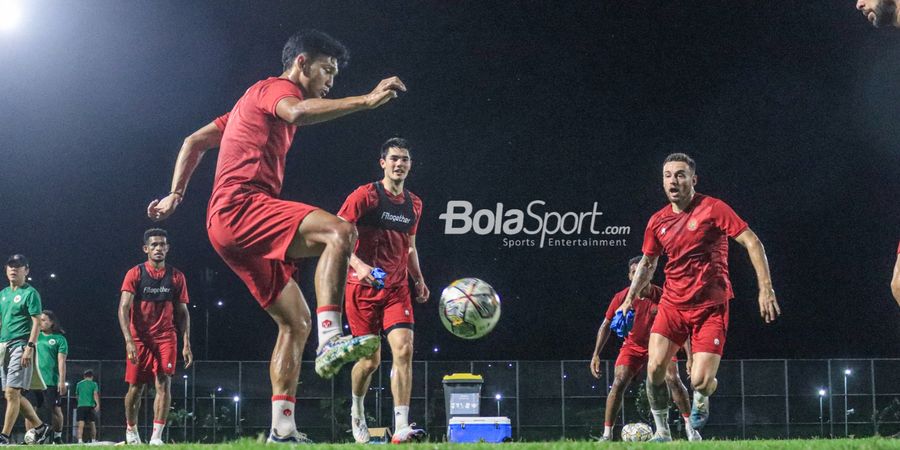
(463,377)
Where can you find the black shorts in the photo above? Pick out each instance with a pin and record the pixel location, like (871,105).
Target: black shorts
(49,396)
(85,414)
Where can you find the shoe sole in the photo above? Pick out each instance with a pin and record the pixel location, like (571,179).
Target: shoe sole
(329,364)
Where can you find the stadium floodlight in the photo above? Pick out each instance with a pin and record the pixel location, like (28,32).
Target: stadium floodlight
(220,303)
(821,392)
(848,372)
(219,389)
(10,14)
(435,349)
(236,398)
(52,275)
(184,376)
(498,397)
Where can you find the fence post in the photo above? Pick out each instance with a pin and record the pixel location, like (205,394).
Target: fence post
(562,392)
(830,402)
(743,405)
(787,402)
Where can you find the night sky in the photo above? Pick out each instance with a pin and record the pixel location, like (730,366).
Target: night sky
(789,108)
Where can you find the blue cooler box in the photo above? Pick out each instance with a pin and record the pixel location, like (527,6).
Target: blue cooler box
(479,429)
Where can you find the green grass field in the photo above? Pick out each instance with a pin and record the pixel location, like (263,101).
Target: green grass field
(827,444)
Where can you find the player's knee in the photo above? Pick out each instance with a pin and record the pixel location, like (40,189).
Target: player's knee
(369,365)
(343,236)
(12,394)
(619,382)
(656,371)
(702,383)
(403,353)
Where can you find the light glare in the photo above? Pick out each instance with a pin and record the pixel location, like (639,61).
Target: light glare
(10,14)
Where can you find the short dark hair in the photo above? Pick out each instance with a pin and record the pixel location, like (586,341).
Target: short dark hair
(56,328)
(89,373)
(314,43)
(154,232)
(682,157)
(394,142)
(635,260)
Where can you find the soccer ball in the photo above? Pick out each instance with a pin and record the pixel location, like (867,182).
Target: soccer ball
(470,308)
(636,432)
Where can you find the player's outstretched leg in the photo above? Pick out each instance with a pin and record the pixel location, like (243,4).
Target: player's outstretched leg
(703,380)
(401,342)
(331,239)
(291,315)
(360,378)
(680,398)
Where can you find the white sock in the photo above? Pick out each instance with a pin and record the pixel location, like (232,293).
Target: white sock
(329,319)
(699,399)
(607,431)
(661,417)
(357,408)
(157,430)
(80,441)
(401,417)
(283,414)
(688,429)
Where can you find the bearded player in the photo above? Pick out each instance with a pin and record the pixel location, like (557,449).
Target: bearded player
(693,232)
(259,235)
(880,12)
(152,308)
(387,216)
(633,355)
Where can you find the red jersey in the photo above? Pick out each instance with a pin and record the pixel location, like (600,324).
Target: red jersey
(696,243)
(152,319)
(255,142)
(378,246)
(644,312)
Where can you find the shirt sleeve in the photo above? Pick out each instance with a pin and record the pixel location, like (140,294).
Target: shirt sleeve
(132,279)
(357,204)
(34,304)
(222,120)
(727,220)
(63,345)
(652,246)
(615,303)
(272,93)
(417,209)
(181,282)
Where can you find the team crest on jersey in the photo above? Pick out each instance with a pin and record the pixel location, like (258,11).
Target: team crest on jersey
(52,341)
(17,299)
(692,224)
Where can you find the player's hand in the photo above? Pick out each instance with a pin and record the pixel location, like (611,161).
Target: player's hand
(26,356)
(688,365)
(62,388)
(364,273)
(163,208)
(422,292)
(131,352)
(768,305)
(385,91)
(188,356)
(595,367)
(624,307)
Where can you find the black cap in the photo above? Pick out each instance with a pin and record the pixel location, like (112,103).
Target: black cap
(17,260)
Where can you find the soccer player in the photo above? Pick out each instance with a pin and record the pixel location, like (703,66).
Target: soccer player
(880,12)
(20,309)
(633,355)
(257,234)
(52,351)
(387,216)
(693,231)
(88,393)
(152,305)
(895,280)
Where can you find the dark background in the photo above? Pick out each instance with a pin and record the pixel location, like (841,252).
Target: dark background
(790,109)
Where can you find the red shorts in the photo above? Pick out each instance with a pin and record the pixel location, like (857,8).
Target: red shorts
(369,310)
(153,358)
(706,326)
(252,235)
(634,357)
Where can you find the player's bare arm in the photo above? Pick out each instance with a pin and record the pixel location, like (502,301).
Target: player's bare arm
(415,271)
(192,150)
(316,110)
(363,270)
(768,304)
(61,363)
(183,322)
(895,281)
(28,353)
(602,337)
(642,276)
(125,303)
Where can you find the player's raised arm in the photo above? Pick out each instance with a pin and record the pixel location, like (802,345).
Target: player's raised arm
(192,151)
(316,110)
(768,304)
(644,273)
(895,281)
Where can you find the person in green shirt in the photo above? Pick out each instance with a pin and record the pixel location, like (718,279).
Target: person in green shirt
(88,393)
(20,307)
(52,350)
